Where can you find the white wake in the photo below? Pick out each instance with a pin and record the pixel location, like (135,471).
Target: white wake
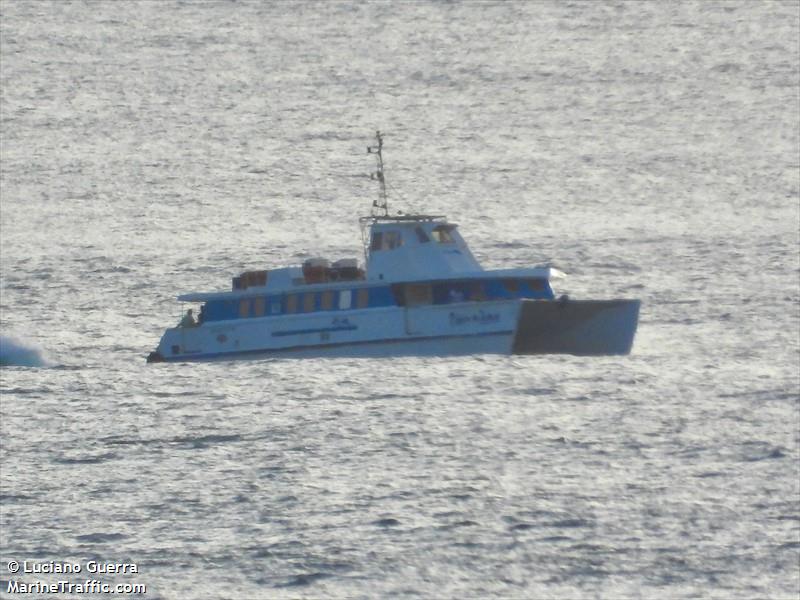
(14,353)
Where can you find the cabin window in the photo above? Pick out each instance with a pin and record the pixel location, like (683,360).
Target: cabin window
(291,303)
(275,307)
(447,292)
(244,308)
(421,235)
(511,285)
(441,234)
(536,285)
(326,301)
(308,302)
(362,298)
(476,292)
(345,299)
(456,294)
(226,311)
(387,240)
(398,293)
(258,306)
(418,294)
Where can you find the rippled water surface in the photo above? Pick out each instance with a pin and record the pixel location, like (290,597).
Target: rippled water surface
(649,150)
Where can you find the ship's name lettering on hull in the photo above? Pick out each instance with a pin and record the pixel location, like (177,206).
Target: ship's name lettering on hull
(482,317)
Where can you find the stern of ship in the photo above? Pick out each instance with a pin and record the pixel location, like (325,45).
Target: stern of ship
(580,327)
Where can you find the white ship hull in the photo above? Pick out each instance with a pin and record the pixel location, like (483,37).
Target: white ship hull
(495,327)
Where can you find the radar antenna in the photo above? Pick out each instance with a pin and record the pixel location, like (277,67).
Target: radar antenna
(381,203)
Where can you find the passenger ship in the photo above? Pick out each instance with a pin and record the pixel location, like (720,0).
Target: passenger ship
(420,292)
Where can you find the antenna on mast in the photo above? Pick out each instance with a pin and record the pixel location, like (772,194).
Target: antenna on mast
(381,202)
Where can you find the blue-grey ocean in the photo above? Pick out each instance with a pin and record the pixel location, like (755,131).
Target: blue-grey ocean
(650,150)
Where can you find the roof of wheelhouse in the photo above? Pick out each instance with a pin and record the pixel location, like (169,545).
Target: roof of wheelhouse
(389,218)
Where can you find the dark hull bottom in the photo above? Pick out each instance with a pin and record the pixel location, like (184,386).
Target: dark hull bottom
(583,327)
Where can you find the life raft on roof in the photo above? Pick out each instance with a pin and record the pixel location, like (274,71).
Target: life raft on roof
(250,279)
(320,270)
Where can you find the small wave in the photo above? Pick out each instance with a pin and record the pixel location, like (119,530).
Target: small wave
(388,522)
(204,441)
(15,498)
(555,538)
(85,460)
(727,67)
(305,579)
(100,537)
(14,353)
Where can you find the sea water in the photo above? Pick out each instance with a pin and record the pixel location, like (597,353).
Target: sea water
(649,150)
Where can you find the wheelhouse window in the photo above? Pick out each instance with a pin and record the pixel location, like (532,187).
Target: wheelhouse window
(441,234)
(386,240)
(421,235)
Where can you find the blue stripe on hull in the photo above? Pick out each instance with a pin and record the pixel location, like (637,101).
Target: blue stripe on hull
(475,345)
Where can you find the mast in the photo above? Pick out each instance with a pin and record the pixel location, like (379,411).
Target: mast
(381,203)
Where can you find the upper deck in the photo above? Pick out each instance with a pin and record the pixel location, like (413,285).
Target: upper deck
(399,249)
